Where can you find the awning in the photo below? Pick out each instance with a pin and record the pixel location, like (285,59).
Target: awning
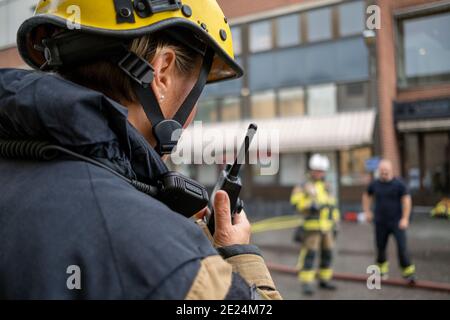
(294,134)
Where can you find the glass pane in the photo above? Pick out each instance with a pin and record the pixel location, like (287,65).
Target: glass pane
(352,61)
(322,100)
(351,18)
(427,45)
(411,159)
(237,40)
(261,71)
(292,169)
(319,24)
(231,109)
(288,30)
(436,163)
(344,60)
(261,36)
(207,174)
(263,105)
(332,174)
(353,169)
(207,111)
(291,102)
(353,96)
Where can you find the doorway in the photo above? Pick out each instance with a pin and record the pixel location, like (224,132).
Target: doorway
(426,165)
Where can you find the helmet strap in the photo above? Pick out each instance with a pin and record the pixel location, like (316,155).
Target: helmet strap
(166,131)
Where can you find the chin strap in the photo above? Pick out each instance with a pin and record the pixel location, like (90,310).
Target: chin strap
(164,130)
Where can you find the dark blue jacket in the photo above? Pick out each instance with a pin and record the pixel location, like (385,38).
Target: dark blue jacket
(67,212)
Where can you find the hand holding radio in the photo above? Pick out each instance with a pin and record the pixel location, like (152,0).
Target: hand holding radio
(229,232)
(230,182)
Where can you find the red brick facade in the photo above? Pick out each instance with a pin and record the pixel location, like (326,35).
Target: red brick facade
(10,58)
(239,8)
(387,78)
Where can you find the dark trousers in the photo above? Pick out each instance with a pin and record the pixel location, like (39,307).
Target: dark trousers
(382,232)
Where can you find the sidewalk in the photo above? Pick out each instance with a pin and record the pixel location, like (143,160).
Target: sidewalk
(429,242)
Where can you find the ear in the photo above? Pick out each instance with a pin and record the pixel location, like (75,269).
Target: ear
(164,66)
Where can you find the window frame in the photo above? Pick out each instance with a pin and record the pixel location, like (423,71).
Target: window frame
(271,22)
(403,82)
(300,38)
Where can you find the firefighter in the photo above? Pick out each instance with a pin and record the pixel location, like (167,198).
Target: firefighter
(314,201)
(442,209)
(118,84)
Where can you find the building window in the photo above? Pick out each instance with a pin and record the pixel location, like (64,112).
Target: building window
(207,111)
(291,102)
(411,161)
(353,167)
(353,96)
(288,30)
(437,162)
(351,18)
(237,40)
(231,109)
(261,36)
(292,169)
(263,105)
(425,50)
(321,99)
(319,24)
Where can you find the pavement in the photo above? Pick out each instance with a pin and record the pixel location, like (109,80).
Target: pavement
(429,245)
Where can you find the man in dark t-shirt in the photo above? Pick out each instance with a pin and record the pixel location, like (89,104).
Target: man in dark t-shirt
(392,212)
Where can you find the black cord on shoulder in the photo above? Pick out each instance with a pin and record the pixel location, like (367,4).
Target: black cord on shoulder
(40,150)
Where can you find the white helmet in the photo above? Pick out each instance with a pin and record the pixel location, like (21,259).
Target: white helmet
(319,162)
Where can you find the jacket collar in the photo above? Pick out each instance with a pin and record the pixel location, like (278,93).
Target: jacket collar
(41,106)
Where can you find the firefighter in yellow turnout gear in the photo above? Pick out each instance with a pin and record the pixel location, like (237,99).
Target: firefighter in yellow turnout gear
(314,202)
(442,209)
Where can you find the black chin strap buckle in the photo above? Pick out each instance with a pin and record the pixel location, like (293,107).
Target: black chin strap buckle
(167,133)
(137,68)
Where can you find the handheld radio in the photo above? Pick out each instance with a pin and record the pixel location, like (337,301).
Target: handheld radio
(230,181)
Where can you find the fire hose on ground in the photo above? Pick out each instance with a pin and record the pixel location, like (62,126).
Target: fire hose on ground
(292,221)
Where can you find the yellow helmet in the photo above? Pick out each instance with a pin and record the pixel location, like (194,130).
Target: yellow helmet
(129,19)
(101,29)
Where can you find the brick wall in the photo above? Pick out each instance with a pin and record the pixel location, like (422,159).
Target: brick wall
(9,58)
(239,8)
(387,78)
